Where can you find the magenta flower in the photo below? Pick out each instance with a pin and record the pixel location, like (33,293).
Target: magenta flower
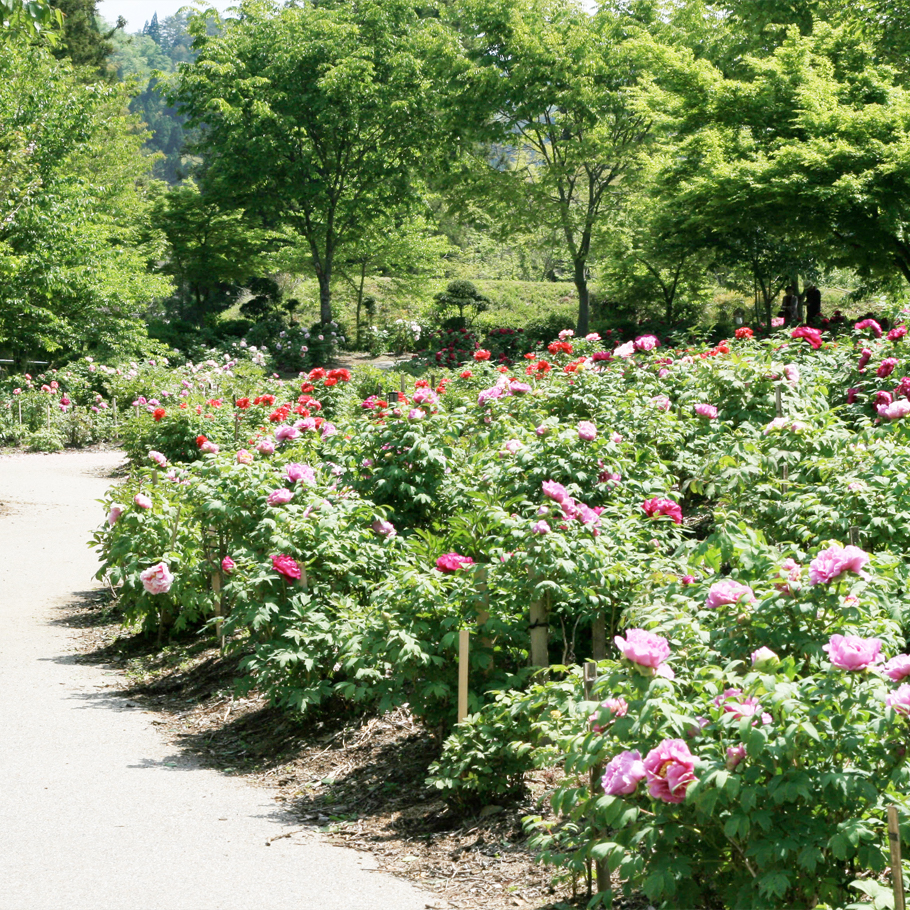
(286,566)
(416,414)
(452,562)
(228,565)
(114,515)
(670,769)
(266,447)
(899,699)
(706,410)
(587,431)
(886,367)
(898,667)
(159,459)
(383,528)
(728,591)
(833,562)
(813,336)
(865,355)
(850,652)
(280,497)
(659,506)
(157,579)
(300,473)
(425,396)
(643,648)
(897,333)
(142,501)
(555,491)
(623,774)
(646,343)
(870,324)
(661,402)
(731,702)
(851,395)
(540,527)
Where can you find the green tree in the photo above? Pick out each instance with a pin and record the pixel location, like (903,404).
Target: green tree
(315,118)
(30,18)
(73,269)
(82,40)
(550,117)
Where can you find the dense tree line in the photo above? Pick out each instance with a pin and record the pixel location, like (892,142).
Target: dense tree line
(651,144)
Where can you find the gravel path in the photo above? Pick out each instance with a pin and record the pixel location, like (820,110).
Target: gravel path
(96,810)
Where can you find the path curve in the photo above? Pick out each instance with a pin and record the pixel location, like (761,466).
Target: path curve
(96,809)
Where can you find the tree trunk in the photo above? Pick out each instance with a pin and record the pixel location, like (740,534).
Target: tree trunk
(584,302)
(325,296)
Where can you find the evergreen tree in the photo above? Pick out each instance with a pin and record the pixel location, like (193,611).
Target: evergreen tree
(83,41)
(152,29)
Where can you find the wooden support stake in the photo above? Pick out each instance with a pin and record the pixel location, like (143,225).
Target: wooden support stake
(854,537)
(219,612)
(599,637)
(894,841)
(155,476)
(464,644)
(48,416)
(116,431)
(778,404)
(540,656)
(20,412)
(304,581)
(402,384)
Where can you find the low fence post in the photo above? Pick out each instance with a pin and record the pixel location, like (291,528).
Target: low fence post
(897,874)
(601,870)
(464,645)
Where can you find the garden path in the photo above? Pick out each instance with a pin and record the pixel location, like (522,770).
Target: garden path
(96,809)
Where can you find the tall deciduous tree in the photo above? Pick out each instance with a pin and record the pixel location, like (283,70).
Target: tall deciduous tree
(550,95)
(73,271)
(315,117)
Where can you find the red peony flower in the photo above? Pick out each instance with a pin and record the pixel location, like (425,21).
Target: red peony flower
(158,414)
(658,506)
(243,403)
(481,355)
(286,566)
(452,562)
(744,332)
(201,441)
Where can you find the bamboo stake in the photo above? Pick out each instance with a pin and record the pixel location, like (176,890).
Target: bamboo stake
(304,581)
(20,412)
(778,403)
(854,537)
(599,637)
(48,416)
(464,644)
(402,384)
(894,841)
(116,430)
(219,611)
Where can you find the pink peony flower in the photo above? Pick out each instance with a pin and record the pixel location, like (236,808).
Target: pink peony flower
(791,371)
(670,769)
(731,702)
(452,562)
(643,648)
(623,774)
(113,516)
(870,324)
(159,459)
(728,591)
(899,699)
(512,446)
(157,579)
(661,402)
(833,562)
(425,396)
(592,336)
(286,566)
(587,431)
(658,506)
(777,322)
(894,411)
(625,350)
(228,565)
(142,501)
(851,395)
(300,473)
(555,491)
(280,497)
(282,434)
(850,652)
(383,528)
(244,456)
(882,398)
(266,447)
(898,667)
(615,437)
(865,355)
(646,343)
(735,754)
(416,414)
(706,410)
(897,333)
(209,447)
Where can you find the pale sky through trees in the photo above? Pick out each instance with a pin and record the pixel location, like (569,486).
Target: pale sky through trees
(138,12)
